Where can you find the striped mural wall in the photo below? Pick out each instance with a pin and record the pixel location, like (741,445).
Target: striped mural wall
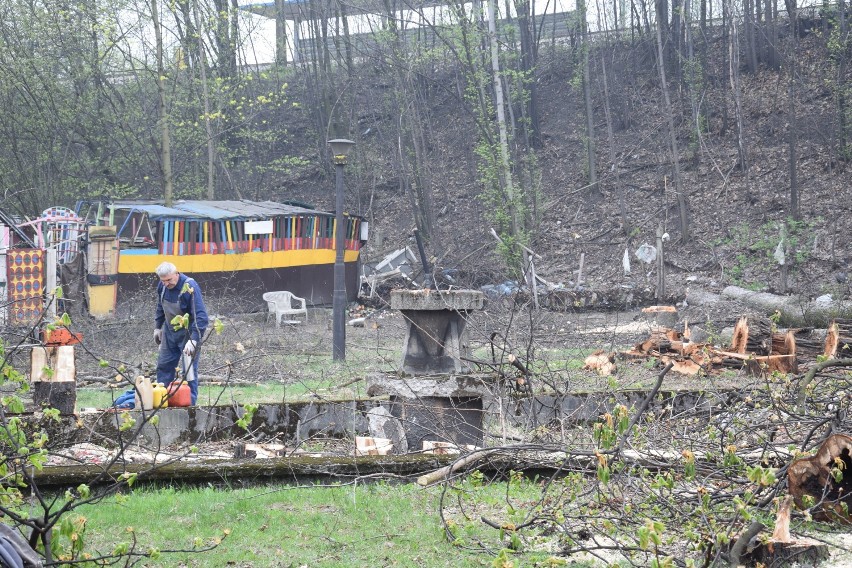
(297,232)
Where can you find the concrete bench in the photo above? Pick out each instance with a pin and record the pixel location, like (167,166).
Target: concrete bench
(283,304)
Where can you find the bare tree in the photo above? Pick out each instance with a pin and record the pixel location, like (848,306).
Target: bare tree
(592,191)
(673,145)
(162,113)
(734,77)
(793,128)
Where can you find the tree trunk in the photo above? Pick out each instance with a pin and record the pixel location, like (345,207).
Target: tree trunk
(750,33)
(676,38)
(616,169)
(694,82)
(501,114)
(593,192)
(673,146)
(734,75)
(529,58)
(842,64)
(162,114)
(280,33)
(208,122)
(226,55)
(771,35)
(272,468)
(793,134)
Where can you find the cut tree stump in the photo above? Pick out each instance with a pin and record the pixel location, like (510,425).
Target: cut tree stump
(756,365)
(783,549)
(768,364)
(811,480)
(784,343)
(838,339)
(755,347)
(53,374)
(663,316)
(752,335)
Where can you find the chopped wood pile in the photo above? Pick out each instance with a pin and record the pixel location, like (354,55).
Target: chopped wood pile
(756,346)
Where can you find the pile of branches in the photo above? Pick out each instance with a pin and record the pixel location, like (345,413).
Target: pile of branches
(700,486)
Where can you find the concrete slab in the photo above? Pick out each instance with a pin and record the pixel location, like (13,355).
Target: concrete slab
(452,300)
(462,385)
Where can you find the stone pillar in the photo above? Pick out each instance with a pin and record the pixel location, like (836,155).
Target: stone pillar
(435,339)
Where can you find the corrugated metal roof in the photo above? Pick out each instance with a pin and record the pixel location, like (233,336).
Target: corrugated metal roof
(214,210)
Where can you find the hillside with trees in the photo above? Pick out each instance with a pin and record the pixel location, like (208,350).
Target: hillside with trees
(726,127)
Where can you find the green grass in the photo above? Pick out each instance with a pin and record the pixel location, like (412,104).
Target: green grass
(264,392)
(567,358)
(364,525)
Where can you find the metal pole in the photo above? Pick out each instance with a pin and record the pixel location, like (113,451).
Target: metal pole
(339,297)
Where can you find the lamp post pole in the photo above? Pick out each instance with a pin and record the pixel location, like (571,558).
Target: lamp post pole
(340,149)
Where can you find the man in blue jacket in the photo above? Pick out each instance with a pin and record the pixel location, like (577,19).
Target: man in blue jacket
(178,295)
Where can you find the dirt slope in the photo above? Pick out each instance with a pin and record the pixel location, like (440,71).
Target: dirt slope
(735,216)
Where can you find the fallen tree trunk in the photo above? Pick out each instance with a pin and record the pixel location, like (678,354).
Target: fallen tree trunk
(756,365)
(291,467)
(446,471)
(795,311)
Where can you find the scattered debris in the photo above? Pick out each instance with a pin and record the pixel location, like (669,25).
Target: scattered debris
(440,448)
(397,264)
(756,346)
(372,446)
(262,451)
(601,362)
(502,290)
(366,316)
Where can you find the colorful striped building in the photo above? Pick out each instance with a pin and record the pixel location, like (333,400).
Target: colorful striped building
(230,245)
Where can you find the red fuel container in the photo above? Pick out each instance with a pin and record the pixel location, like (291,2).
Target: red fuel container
(179,394)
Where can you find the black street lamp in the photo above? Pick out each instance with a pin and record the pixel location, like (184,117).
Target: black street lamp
(340,149)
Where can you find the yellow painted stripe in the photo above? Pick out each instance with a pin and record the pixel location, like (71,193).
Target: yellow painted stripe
(141,263)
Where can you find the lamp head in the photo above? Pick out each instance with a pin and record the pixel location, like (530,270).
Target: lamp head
(340,148)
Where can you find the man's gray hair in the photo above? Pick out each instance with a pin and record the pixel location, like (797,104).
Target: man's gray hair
(166,269)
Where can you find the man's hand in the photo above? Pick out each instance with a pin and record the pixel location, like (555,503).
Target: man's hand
(189,348)
(158,336)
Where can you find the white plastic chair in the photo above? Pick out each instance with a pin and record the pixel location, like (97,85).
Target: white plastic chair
(284,303)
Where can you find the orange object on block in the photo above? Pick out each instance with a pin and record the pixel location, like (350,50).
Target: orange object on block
(60,336)
(179,394)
